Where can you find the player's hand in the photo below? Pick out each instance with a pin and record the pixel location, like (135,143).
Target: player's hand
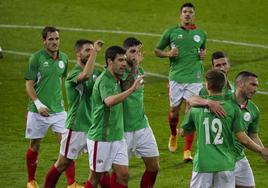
(43,111)
(97,45)
(264,153)
(139,57)
(216,108)
(202,54)
(173,52)
(138,83)
(41,108)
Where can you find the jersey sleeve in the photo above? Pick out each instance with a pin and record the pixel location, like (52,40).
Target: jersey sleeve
(254,126)
(164,40)
(203,45)
(105,89)
(188,123)
(72,76)
(32,70)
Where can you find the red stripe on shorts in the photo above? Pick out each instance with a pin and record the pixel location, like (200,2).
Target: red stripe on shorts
(68,142)
(95,155)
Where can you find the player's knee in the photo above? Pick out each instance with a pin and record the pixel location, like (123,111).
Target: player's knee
(35,145)
(123,177)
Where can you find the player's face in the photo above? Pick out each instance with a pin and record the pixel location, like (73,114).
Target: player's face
(134,54)
(250,87)
(187,15)
(52,41)
(221,64)
(119,64)
(85,52)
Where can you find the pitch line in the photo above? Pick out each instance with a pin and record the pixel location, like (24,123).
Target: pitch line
(129,33)
(99,65)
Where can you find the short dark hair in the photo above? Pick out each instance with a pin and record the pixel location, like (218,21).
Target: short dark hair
(216,80)
(79,44)
(218,55)
(243,75)
(112,51)
(187,5)
(48,29)
(131,41)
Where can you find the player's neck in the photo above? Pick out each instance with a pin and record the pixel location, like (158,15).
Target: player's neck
(53,54)
(187,26)
(239,97)
(214,93)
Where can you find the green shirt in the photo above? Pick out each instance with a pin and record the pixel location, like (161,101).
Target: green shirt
(187,66)
(215,136)
(251,116)
(47,74)
(228,90)
(134,115)
(79,95)
(107,121)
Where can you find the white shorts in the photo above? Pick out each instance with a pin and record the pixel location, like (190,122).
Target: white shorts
(37,125)
(73,143)
(102,155)
(180,91)
(221,179)
(243,173)
(141,142)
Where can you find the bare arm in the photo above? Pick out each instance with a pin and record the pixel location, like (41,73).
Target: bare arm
(115,99)
(250,144)
(42,109)
(255,137)
(89,67)
(214,106)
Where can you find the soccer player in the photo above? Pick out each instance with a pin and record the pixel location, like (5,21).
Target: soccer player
(107,147)
(246,86)
(79,85)
(44,76)
(138,133)
(215,138)
(186,51)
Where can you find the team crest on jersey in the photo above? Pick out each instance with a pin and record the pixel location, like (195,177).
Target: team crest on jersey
(94,77)
(179,36)
(196,38)
(247,116)
(45,64)
(61,64)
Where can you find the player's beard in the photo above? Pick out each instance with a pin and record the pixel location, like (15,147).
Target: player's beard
(84,60)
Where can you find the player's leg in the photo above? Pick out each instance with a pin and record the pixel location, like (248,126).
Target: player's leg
(190,90)
(119,158)
(243,174)
(175,97)
(57,125)
(146,147)
(36,129)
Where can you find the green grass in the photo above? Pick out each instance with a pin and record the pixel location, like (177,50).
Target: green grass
(240,20)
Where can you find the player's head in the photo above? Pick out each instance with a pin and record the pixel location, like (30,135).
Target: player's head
(187,13)
(133,47)
(215,81)
(83,49)
(220,61)
(115,57)
(51,38)
(246,84)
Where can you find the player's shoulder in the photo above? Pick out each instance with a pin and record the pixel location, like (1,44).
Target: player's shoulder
(253,106)
(63,56)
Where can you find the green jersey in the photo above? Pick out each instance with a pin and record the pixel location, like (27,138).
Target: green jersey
(251,116)
(228,90)
(187,66)
(47,73)
(79,95)
(134,115)
(215,136)
(108,122)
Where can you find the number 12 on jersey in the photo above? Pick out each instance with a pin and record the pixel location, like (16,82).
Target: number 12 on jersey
(216,127)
